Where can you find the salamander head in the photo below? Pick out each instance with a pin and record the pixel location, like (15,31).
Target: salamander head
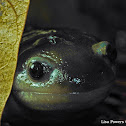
(63,69)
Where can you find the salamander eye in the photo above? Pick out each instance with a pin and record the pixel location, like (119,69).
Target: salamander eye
(105,49)
(37,70)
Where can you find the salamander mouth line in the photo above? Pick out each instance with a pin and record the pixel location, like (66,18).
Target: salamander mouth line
(40,93)
(69,93)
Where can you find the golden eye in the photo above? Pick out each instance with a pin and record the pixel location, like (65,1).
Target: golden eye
(100,48)
(104,48)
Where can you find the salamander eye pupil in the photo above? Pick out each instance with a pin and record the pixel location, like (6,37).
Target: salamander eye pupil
(36,70)
(111,53)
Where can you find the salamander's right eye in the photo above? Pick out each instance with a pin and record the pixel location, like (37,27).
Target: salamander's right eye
(36,70)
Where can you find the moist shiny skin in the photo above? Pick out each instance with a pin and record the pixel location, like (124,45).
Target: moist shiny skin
(59,70)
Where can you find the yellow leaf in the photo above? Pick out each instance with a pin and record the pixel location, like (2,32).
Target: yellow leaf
(12,20)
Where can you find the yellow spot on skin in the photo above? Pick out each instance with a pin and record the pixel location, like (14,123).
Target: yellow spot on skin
(12,20)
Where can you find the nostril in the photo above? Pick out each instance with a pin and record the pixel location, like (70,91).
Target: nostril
(111,53)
